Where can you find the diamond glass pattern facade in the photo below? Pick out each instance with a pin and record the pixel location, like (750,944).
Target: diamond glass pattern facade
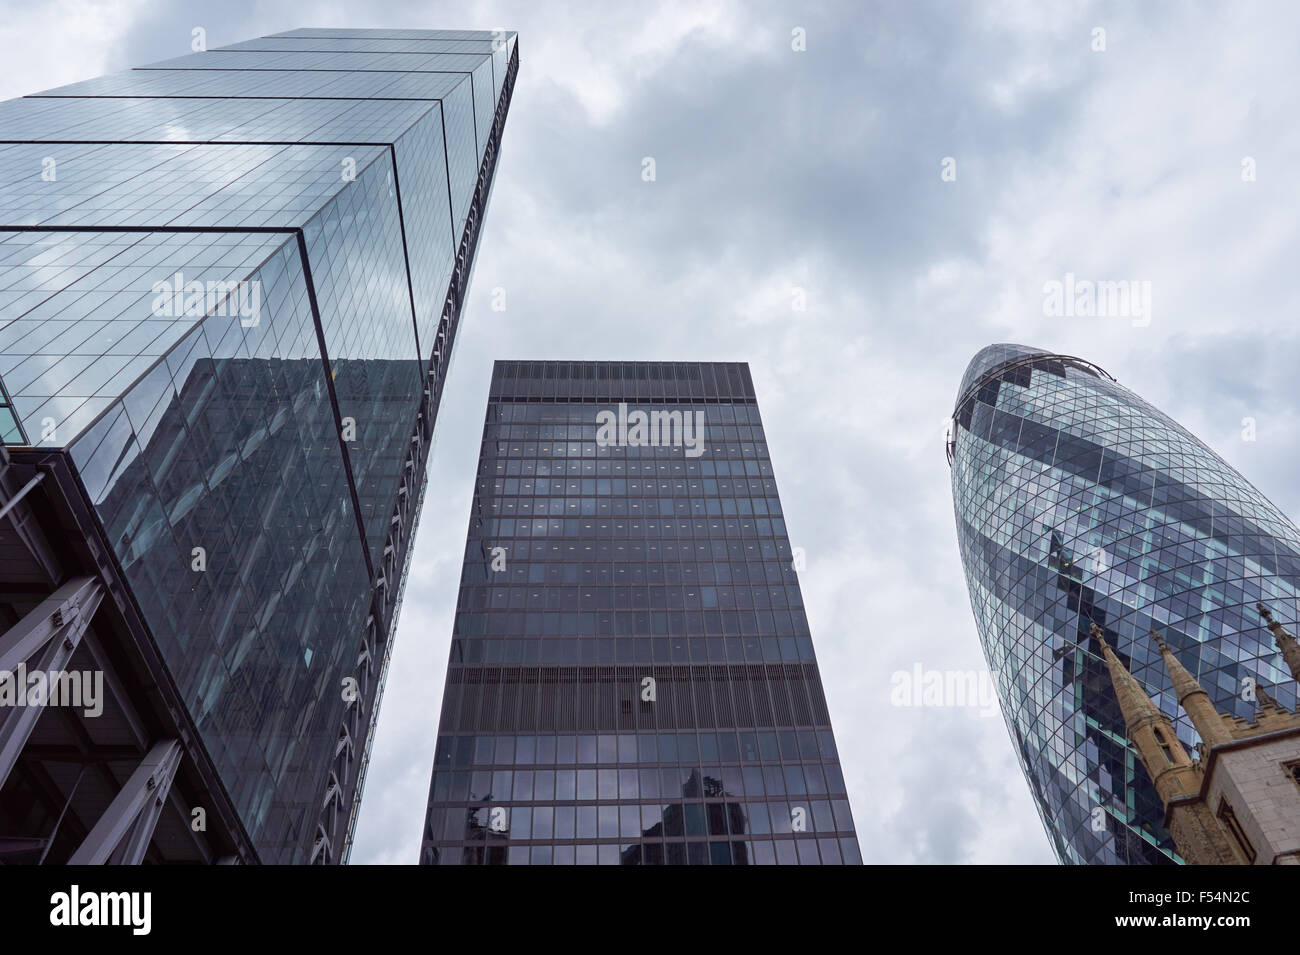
(334,182)
(632,679)
(1076,501)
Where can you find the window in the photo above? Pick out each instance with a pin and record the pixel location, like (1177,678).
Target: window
(1292,769)
(1164,744)
(1230,823)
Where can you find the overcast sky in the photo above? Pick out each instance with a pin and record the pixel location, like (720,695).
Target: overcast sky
(822,170)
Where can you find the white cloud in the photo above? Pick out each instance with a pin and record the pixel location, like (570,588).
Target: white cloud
(821,169)
(53,44)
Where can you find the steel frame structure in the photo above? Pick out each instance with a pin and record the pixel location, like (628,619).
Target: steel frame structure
(84,604)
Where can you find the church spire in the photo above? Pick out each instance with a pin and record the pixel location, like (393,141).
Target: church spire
(1288,644)
(1267,702)
(1193,698)
(1166,762)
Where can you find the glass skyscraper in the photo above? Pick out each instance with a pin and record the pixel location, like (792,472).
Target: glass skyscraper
(1077,502)
(229,288)
(631,678)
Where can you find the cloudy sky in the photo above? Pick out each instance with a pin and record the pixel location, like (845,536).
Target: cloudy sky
(822,170)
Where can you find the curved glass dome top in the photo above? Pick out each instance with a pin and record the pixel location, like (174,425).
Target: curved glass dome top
(1077,501)
(992,359)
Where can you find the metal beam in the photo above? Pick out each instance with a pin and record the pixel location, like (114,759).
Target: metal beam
(79,755)
(26,527)
(21,641)
(21,493)
(114,690)
(123,832)
(320,850)
(17,845)
(58,629)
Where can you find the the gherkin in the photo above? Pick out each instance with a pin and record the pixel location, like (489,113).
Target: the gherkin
(1076,501)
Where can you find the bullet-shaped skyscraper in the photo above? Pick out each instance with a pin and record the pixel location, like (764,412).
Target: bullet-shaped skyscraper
(229,288)
(1079,504)
(631,679)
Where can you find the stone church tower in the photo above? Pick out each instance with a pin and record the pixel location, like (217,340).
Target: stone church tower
(1238,802)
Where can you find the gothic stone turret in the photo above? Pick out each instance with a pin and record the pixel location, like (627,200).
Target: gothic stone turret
(1239,803)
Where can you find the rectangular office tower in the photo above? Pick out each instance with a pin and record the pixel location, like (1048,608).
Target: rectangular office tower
(229,287)
(631,677)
